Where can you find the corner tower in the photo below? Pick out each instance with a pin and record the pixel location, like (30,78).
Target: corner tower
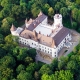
(13,29)
(57,20)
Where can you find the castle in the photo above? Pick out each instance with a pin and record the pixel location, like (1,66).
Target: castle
(38,34)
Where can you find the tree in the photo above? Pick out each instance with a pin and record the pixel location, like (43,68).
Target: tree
(54,64)
(45,69)
(36,75)
(23,75)
(78,19)
(1,38)
(41,2)
(63,75)
(63,62)
(20,68)
(32,53)
(8,61)
(72,65)
(3,3)
(16,11)
(64,11)
(50,12)
(74,25)
(23,3)
(2,52)
(25,11)
(10,41)
(75,13)
(45,8)
(28,60)
(52,2)
(6,24)
(46,77)
(58,5)
(6,73)
(32,67)
(78,2)
(37,10)
(20,53)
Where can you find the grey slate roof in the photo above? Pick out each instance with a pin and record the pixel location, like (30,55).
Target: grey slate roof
(61,35)
(37,21)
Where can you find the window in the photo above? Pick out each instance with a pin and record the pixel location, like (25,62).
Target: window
(55,55)
(48,51)
(32,43)
(39,48)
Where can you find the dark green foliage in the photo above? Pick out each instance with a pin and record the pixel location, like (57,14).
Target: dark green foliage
(8,61)
(20,68)
(2,52)
(20,53)
(18,63)
(23,75)
(45,69)
(32,53)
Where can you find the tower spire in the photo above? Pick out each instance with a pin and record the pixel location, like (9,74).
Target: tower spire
(13,28)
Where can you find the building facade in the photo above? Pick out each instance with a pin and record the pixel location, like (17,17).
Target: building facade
(40,35)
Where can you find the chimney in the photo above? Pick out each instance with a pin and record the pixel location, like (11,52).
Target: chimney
(29,36)
(52,31)
(47,35)
(39,32)
(34,24)
(36,34)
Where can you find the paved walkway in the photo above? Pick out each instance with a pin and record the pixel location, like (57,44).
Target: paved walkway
(76,41)
(39,58)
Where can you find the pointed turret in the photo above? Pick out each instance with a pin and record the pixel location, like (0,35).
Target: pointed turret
(26,20)
(53,43)
(13,28)
(40,13)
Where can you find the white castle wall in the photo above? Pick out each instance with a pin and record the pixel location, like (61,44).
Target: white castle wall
(52,51)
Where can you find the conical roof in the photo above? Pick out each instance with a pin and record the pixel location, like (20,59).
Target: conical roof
(40,13)
(13,28)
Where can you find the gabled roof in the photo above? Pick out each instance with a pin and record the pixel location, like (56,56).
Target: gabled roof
(61,35)
(42,39)
(13,28)
(36,22)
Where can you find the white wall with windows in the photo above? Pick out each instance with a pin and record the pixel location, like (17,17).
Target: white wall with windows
(52,51)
